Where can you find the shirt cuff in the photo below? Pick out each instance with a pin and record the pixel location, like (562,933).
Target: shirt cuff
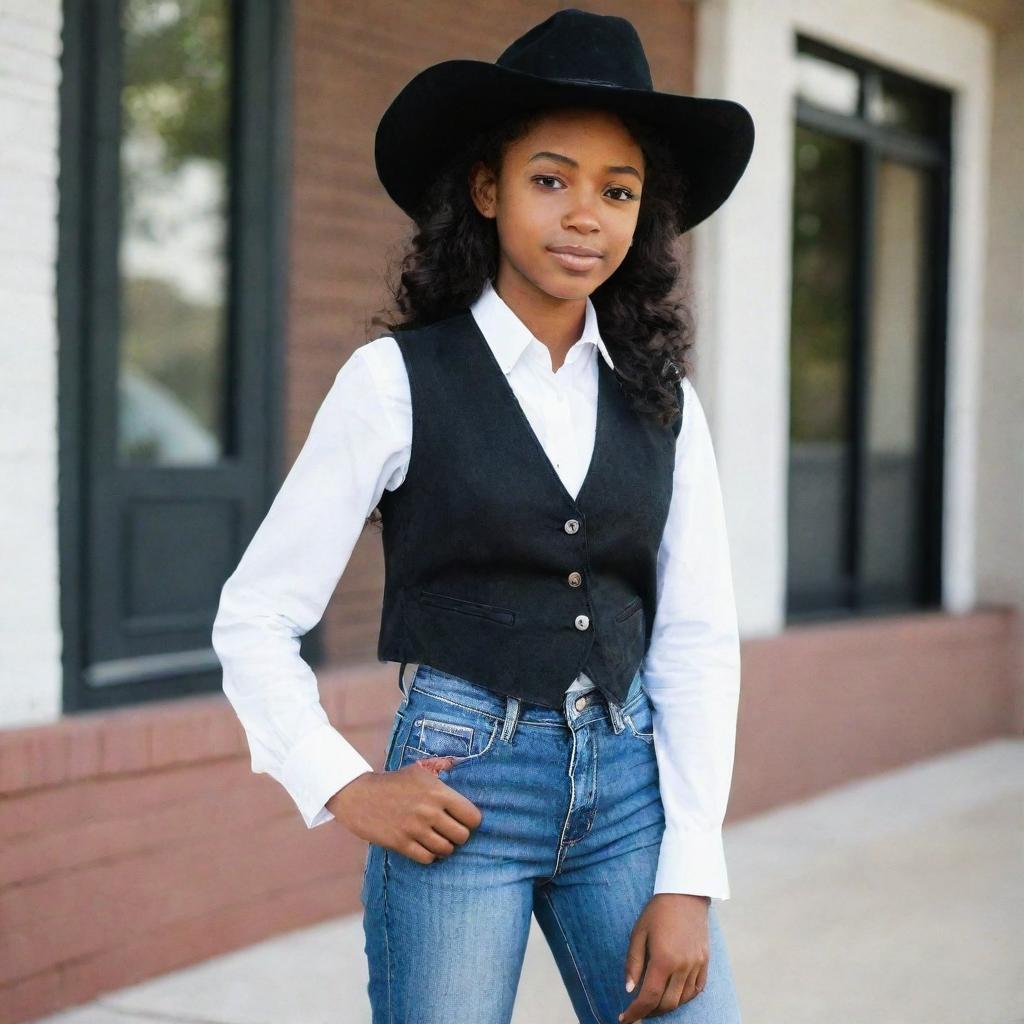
(692,861)
(320,764)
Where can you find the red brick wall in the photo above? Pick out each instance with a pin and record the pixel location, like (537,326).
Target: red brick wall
(136,841)
(824,704)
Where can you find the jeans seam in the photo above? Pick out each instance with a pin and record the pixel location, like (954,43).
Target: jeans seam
(593,799)
(572,956)
(562,844)
(387,936)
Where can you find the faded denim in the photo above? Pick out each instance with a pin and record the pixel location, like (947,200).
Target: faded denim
(571,830)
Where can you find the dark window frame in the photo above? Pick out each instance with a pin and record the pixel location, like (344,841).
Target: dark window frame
(934,154)
(261,83)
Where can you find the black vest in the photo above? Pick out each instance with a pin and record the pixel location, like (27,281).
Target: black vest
(493,572)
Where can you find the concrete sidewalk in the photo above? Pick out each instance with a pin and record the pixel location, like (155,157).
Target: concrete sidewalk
(895,900)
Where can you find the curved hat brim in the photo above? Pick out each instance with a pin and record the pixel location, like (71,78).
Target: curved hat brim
(437,110)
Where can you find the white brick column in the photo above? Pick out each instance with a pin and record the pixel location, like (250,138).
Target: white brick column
(30,636)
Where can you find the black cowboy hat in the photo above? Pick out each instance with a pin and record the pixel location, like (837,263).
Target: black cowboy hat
(573,58)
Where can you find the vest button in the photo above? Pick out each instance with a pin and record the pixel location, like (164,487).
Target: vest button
(572,525)
(581,703)
(575,579)
(582,621)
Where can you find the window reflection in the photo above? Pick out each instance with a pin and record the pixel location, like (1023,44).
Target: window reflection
(824,248)
(826,84)
(897,324)
(898,104)
(174,157)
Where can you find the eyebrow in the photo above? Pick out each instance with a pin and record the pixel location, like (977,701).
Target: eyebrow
(614,168)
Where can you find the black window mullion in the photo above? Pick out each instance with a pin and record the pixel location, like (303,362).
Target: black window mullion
(931,422)
(858,454)
(860,358)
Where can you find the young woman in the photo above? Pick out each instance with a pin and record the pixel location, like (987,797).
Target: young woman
(556,557)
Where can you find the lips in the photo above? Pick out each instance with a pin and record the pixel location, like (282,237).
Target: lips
(575,257)
(574,250)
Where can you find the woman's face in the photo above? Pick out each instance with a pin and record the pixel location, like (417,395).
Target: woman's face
(574,180)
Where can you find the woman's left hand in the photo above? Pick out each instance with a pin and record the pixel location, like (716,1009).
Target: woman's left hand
(671,937)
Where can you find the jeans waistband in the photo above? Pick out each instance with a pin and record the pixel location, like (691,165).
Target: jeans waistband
(428,679)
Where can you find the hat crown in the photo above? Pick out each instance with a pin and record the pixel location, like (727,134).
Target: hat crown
(580,46)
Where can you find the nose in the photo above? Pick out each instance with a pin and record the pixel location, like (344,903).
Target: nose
(582,216)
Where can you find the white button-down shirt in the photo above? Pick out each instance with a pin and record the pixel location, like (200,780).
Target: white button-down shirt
(358,445)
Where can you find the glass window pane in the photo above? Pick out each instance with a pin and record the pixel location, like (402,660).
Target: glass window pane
(890,508)
(827,84)
(174,231)
(824,248)
(901,105)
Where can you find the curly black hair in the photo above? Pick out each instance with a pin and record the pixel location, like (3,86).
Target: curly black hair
(453,249)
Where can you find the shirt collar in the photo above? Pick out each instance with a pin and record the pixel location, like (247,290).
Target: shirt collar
(508,336)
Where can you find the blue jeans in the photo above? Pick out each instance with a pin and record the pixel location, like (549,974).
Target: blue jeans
(571,827)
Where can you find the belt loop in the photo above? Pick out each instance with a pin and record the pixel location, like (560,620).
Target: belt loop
(511,717)
(615,707)
(615,713)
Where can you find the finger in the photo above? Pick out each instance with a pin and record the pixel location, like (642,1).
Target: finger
(439,763)
(702,978)
(451,828)
(690,983)
(636,953)
(647,999)
(675,990)
(416,851)
(461,808)
(434,842)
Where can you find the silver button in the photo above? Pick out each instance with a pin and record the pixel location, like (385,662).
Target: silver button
(575,579)
(572,525)
(581,703)
(582,621)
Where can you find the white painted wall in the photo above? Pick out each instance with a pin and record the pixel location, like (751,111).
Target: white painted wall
(30,637)
(1001,469)
(746,53)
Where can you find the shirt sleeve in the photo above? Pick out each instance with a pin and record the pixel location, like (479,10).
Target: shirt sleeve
(286,577)
(692,668)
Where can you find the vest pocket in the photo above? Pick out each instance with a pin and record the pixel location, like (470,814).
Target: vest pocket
(458,604)
(629,609)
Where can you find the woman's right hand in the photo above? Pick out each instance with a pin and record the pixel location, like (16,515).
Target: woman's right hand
(410,811)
